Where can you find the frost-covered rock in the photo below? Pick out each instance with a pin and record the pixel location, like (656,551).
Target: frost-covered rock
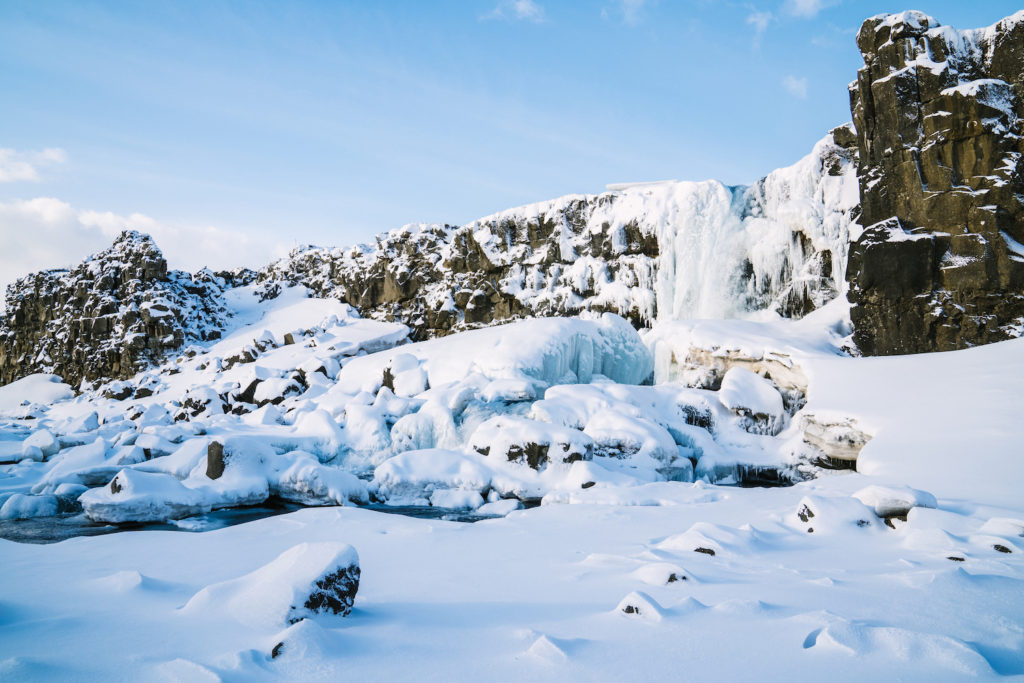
(42,388)
(308,579)
(304,480)
(619,436)
(754,399)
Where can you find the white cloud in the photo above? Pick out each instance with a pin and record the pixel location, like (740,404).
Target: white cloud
(25,166)
(760,21)
(523,10)
(631,12)
(807,8)
(42,233)
(796,86)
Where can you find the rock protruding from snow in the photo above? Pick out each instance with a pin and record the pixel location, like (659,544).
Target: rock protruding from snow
(641,605)
(308,579)
(939,116)
(112,315)
(837,440)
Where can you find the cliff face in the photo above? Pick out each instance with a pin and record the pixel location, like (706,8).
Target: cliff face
(938,114)
(646,252)
(108,317)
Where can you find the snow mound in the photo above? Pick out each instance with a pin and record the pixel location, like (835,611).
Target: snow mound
(43,389)
(308,579)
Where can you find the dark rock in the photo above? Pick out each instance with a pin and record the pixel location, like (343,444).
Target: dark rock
(938,115)
(114,314)
(215,461)
(335,593)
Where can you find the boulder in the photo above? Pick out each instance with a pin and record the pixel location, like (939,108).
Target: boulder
(306,580)
(938,115)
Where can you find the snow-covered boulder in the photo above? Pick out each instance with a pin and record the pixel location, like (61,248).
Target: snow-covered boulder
(641,605)
(308,579)
(889,501)
(754,399)
(838,440)
(43,440)
(622,436)
(21,506)
(415,475)
(308,482)
(134,496)
(516,439)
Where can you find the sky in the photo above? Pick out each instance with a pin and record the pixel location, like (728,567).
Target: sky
(234,131)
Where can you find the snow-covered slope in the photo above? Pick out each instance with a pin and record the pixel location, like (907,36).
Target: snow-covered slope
(910,567)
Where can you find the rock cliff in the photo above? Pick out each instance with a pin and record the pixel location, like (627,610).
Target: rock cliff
(647,252)
(109,317)
(938,114)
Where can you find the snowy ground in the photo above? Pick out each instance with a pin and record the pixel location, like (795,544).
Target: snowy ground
(909,568)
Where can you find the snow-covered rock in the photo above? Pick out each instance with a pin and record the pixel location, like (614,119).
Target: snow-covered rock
(754,399)
(20,506)
(308,579)
(516,439)
(888,501)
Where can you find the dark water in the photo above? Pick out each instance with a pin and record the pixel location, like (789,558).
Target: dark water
(55,529)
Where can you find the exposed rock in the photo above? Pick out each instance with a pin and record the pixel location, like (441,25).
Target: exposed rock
(836,441)
(215,462)
(110,316)
(640,604)
(938,114)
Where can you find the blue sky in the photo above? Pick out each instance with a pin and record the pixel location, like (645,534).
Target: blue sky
(233,130)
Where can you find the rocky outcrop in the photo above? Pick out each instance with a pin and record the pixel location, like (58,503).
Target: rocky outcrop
(108,317)
(647,252)
(662,250)
(938,114)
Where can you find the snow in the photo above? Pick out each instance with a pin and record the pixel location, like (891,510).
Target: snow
(614,542)
(40,388)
